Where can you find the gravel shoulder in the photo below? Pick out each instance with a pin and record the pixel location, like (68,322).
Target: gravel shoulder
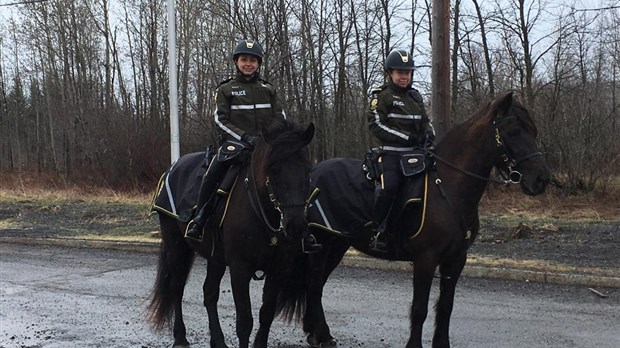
(519,235)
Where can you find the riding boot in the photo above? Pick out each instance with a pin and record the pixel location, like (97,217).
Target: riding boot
(205,199)
(309,244)
(383,205)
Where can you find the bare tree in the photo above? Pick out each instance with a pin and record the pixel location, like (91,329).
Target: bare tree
(90,104)
(485,49)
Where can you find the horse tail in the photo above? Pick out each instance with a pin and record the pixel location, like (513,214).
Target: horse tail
(175,261)
(291,303)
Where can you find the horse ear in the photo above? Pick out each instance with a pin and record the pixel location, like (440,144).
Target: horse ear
(270,131)
(505,103)
(308,134)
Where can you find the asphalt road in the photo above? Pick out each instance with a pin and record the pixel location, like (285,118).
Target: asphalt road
(65,297)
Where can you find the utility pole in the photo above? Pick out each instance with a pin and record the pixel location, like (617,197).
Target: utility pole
(440,71)
(172,74)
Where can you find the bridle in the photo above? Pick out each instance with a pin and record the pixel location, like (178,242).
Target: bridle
(513,176)
(259,210)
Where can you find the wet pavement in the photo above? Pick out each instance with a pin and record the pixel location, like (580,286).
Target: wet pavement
(55,296)
(540,271)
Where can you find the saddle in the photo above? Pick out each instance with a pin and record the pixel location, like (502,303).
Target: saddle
(411,163)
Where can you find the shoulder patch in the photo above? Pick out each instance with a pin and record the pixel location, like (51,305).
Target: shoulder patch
(416,96)
(265,81)
(377,90)
(225,81)
(374,102)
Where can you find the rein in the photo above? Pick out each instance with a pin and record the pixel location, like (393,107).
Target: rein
(258,207)
(453,166)
(514,177)
(256,201)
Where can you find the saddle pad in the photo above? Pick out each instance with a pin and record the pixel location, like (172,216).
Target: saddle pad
(177,191)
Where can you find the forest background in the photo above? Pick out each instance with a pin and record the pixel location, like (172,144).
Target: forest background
(84,83)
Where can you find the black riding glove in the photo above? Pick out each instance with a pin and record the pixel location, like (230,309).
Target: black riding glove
(249,139)
(417,140)
(429,142)
(413,141)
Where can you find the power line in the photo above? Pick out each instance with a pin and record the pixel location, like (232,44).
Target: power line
(597,9)
(22,3)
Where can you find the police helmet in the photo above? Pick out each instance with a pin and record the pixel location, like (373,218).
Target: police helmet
(399,59)
(248,47)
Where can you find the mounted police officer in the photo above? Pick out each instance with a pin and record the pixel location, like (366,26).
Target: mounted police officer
(398,120)
(243,104)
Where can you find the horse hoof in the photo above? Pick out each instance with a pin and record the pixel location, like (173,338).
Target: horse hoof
(181,345)
(330,343)
(315,343)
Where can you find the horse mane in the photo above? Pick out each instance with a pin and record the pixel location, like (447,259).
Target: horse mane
(285,142)
(279,143)
(474,126)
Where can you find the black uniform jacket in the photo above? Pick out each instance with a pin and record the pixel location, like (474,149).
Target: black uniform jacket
(397,118)
(242,105)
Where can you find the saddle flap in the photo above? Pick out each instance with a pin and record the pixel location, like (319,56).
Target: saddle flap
(230,149)
(370,164)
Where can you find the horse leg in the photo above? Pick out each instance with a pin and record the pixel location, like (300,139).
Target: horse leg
(450,271)
(240,276)
(179,331)
(211,292)
(423,272)
(321,266)
(267,312)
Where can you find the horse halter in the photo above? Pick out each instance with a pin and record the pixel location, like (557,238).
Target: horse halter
(514,176)
(278,205)
(258,207)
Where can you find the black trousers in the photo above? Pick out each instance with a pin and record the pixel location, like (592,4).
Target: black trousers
(391,179)
(392,176)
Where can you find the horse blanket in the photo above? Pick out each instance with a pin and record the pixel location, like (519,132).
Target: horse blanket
(344,197)
(177,191)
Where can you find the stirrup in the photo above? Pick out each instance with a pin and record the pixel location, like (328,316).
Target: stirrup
(312,246)
(378,243)
(193,231)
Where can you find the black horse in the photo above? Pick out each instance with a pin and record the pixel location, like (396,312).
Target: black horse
(261,230)
(433,230)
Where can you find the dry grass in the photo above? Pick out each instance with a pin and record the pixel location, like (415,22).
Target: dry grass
(45,188)
(540,265)
(500,201)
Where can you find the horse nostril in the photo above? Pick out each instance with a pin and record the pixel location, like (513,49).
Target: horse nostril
(542,180)
(541,183)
